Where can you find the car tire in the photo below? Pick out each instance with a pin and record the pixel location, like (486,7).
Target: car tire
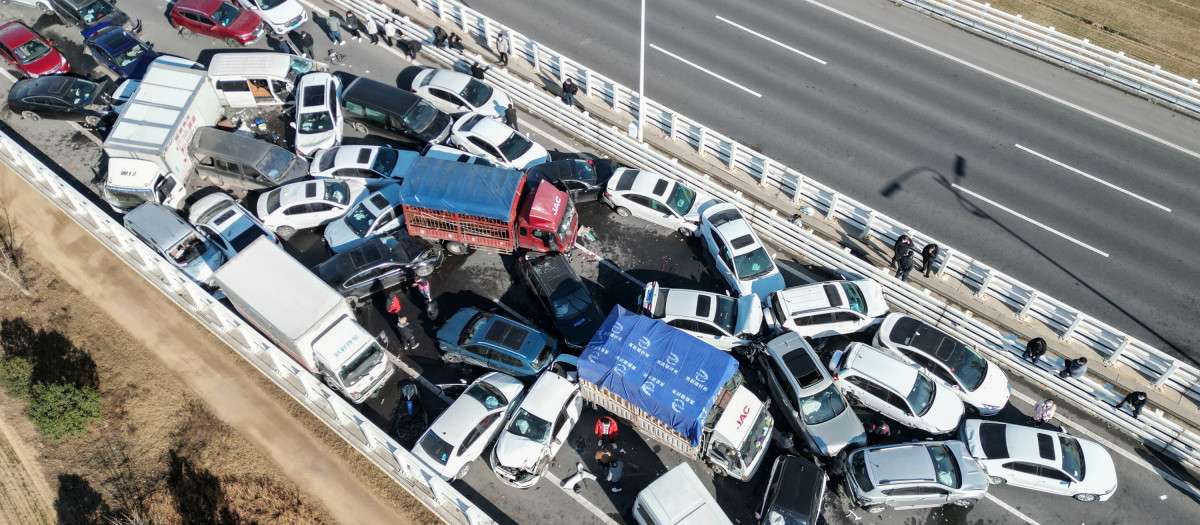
(452,358)
(232,42)
(456,248)
(718,470)
(285,232)
(622,211)
(359,127)
(970,502)
(184,33)
(91,120)
(1086,497)
(996,480)
(876,509)
(30,116)
(463,473)
(424,271)
(684,232)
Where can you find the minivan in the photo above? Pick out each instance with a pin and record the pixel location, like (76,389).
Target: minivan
(177,241)
(678,498)
(393,112)
(247,80)
(239,164)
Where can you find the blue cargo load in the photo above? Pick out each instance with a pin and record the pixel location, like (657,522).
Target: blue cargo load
(660,369)
(457,187)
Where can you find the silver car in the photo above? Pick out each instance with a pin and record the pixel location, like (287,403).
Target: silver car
(914,475)
(179,242)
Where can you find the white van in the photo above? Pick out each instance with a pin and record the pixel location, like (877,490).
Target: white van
(247,80)
(678,498)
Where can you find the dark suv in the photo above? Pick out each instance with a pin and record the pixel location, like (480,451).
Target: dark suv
(391,112)
(563,294)
(87,13)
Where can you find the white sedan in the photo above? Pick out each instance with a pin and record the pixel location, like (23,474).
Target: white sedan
(318,113)
(375,166)
(460,434)
(1041,460)
(539,427)
(716,319)
(873,378)
(656,198)
(456,93)
(227,223)
(740,257)
(281,16)
(307,204)
(479,134)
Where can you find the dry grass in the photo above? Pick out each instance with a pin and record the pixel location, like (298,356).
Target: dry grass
(1159,32)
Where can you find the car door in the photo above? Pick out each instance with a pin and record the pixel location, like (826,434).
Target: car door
(1022,474)
(487,150)
(58,109)
(845,322)
(1054,480)
(566,421)
(387,221)
(784,392)
(446,101)
(477,354)
(8,55)
(197,22)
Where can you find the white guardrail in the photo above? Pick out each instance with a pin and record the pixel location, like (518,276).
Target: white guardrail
(324,403)
(1180,442)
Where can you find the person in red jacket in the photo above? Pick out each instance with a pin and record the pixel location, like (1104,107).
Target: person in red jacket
(606,428)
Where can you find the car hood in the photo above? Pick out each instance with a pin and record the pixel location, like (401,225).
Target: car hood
(340,237)
(577,333)
(873,296)
(766,285)
(536,155)
(946,412)
(497,104)
(283,13)
(1099,475)
(50,62)
(247,22)
(516,452)
(750,316)
(994,390)
(702,202)
(309,143)
(843,431)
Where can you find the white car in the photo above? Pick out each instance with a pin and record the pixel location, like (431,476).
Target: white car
(306,204)
(318,113)
(538,428)
(873,378)
(379,213)
(716,319)
(1041,460)
(740,257)
(479,134)
(281,16)
(375,166)
(981,384)
(438,151)
(465,428)
(227,223)
(825,309)
(456,93)
(656,198)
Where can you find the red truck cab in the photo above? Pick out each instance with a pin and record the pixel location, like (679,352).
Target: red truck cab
(548,221)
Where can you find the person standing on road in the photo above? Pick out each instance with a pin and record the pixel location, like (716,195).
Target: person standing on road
(510,117)
(786,444)
(1043,412)
(1135,400)
(408,339)
(614,468)
(569,90)
(1075,368)
(907,265)
(354,26)
(1034,350)
(306,42)
(335,29)
(502,48)
(901,248)
(477,70)
(606,429)
(928,254)
(371,28)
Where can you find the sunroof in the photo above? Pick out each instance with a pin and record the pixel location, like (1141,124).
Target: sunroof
(506,334)
(314,96)
(364,156)
(703,305)
(742,242)
(1046,446)
(660,187)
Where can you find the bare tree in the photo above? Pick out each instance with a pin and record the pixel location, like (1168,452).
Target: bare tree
(11,248)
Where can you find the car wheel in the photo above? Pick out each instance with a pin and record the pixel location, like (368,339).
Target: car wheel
(456,248)
(719,470)
(184,33)
(995,480)
(463,473)
(44,7)
(876,509)
(452,358)
(685,232)
(359,127)
(30,116)
(91,120)
(1087,497)
(424,271)
(966,502)
(622,211)
(232,42)
(285,232)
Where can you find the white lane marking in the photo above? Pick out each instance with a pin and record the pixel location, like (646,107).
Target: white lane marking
(1011,509)
(514,312)
(1031,221)
(685,61)
(1097,179)
(579,499)
(1003,78)
(1167,476)
(771,40)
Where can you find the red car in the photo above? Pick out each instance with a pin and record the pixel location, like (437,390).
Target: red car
(33,55)
(218,19)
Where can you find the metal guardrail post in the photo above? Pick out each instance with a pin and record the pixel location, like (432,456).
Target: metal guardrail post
(1166,376)
(1013,27)
(616,97)
(799,192)
(703,138)
(1033,297)
(866,231)
(587,83)
(537,59)
(674,127)
(831,215)
(733,152)
(441,10)
(462,20)
(1070,332)
(766,166)
(1112,358)
(987,282)
(945,263)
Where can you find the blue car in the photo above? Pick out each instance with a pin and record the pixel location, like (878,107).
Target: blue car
(119,51)
(490,341)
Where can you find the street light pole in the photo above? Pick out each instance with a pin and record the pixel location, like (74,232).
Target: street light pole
(642,77)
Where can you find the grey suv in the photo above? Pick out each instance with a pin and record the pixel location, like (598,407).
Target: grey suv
(914,475)
(177,241)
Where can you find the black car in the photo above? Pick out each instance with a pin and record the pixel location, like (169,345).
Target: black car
(62,98)
(392,112)
(794,493)
(584,179)
(380,263)
(563,294)
(87,13)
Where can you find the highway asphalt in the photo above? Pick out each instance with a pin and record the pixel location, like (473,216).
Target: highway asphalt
(1068,185)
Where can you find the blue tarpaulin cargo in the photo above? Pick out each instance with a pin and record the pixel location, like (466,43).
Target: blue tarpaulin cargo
(662,370)
(457,187)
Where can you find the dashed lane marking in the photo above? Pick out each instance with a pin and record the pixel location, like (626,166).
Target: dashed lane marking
(1027,219)
(772,40)
(693,64)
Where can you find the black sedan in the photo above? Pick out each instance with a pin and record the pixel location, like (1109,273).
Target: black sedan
(563,294)
(584,179)
(62,98)
(794,493)
(380,263)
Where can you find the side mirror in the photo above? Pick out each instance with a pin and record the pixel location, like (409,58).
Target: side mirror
(292,124)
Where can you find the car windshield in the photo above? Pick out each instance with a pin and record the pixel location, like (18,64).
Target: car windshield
(273,201)
(822,406)
(31,50)
(753,264)
(570,305)
(487,395)
(515,146)
(436,447)
(476,93)
(126,198)
(782,516)
(420,116)
(1072,457)
(318,122)
(213,212)
(189,249)
(944,466)
(130,55)
(269,4)
(358,367)
(337,192)
(854,297)
(530,427)
(858,468)
(327,159)
(95,11)
(360,219)
(80,92)
(226,14)
(681,199)
(759,434)
(385,160)
(275,163)
(726,315)
(968,367)
(473,326)
(921,397)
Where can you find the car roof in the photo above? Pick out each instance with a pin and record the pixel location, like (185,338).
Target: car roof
(801,361)
(451,80)
(881,367)
(353,156)
(458,419)
(690,303)
(224,144)
(307,191)
(901,463)
(313,91)
(384,198)
(732,227)
(379,96)
(801,485)
(548,395)
(201,5)
(158,224)
(551,269)
(811,297)
(489,129)
(113,39)
(16,33)
(507,334)
(46,85)
(650,183)
(1022,443)
(917,334)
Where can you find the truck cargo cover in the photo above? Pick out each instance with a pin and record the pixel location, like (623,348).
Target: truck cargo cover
(457,187)
(662,370)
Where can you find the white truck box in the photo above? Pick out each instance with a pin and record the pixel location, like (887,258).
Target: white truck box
(305,317)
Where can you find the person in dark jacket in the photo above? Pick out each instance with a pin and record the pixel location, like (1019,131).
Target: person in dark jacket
(1135,400)
(1034,350)
(408,339)
(569,90)
(1075,368)
(411,49)
(907,265)
(306,43)
(928,254)
(354,26)
(510,117)
(901,248)
(455,42)
(477,70)
(439,36)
